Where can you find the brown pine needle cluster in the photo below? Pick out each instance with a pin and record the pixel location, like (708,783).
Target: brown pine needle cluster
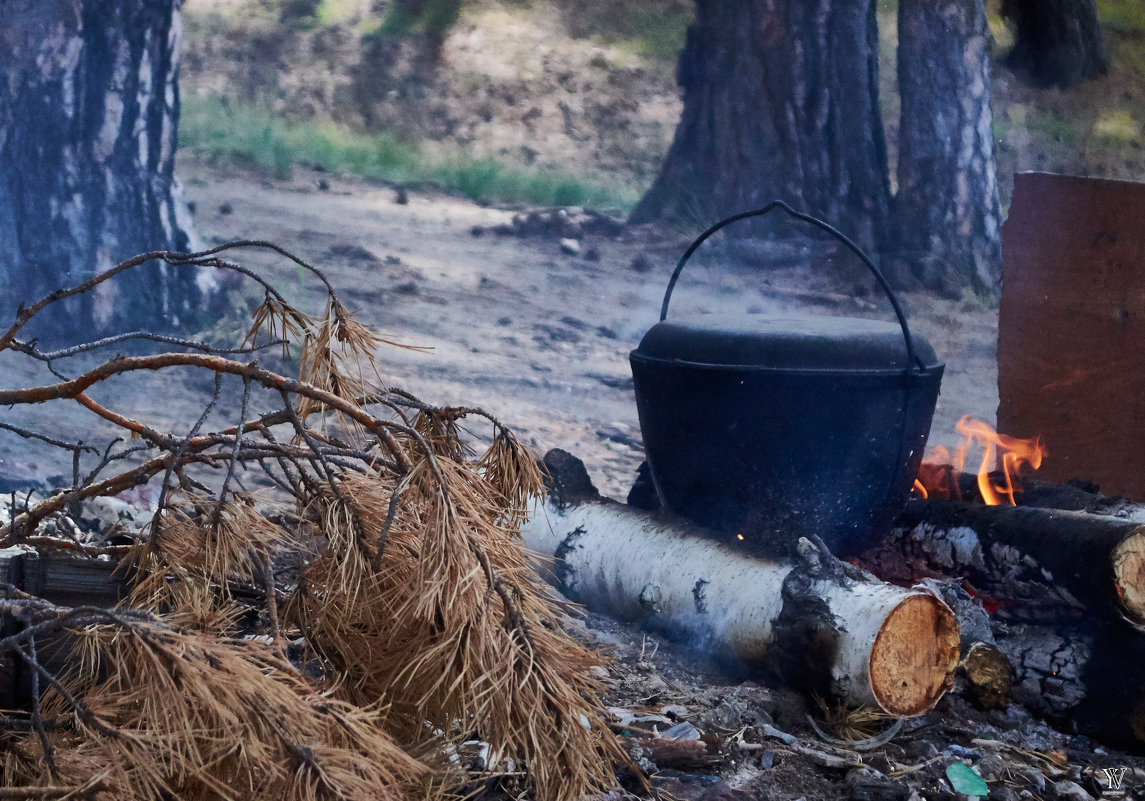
(180,714)
(415,620)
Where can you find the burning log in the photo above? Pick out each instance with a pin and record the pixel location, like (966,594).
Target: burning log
(1041,561)
(840,633)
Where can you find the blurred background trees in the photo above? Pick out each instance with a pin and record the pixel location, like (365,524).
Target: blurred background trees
(89,104)
(875,115)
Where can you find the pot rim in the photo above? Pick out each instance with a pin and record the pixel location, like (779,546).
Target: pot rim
(811,372)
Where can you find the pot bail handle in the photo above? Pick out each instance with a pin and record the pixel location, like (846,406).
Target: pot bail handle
(912,359)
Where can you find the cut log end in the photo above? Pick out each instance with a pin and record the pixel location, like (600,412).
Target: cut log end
(914,656)
(1128,560)
(988,674)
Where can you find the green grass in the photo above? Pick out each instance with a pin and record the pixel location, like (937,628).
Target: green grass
(1124,16)
(654,29)
(217,129)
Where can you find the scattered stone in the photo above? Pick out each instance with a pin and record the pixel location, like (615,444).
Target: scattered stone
(641,263)
(767,761)
(1065,790)
(553,333)
(621,437)
(681,731)
(1003,792)
(345,250)
(570,247)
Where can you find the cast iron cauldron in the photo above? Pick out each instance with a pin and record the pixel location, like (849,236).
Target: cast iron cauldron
(775,428)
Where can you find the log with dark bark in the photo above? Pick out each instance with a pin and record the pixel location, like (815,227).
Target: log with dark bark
(89,103)
(1056,42)
(1044,563)
(947,215)
(780,101)
(1089,676)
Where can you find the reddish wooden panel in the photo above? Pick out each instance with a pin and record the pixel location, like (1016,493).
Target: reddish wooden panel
(1071,333)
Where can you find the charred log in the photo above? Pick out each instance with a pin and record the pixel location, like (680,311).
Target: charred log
(1089,676)
(1042,563)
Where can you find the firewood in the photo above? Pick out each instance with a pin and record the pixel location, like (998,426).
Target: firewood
(984,670)
(1089,676)
(844,635)
(1040,562)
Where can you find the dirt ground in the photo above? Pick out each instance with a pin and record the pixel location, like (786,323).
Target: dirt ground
(537,336)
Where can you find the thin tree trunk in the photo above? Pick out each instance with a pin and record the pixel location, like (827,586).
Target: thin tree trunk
(1056,42)
(89,104)
(947,211)
(780,101)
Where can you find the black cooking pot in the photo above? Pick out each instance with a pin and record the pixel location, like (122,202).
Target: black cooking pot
(770,429)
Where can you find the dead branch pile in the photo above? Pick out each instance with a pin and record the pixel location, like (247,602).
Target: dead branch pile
(422,624)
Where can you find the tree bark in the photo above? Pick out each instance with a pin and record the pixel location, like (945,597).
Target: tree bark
(780,101)
(947,211)
(89,104)
(1056,42)
(1088,676)
(1048,563)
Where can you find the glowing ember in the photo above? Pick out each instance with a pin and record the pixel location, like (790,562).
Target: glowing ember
(938,475)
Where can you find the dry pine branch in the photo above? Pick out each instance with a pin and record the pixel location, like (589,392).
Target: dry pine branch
(423,622)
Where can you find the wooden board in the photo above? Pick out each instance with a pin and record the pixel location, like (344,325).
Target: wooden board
(62,579)
(1071,333)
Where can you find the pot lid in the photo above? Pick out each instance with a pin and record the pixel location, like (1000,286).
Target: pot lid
(802,342)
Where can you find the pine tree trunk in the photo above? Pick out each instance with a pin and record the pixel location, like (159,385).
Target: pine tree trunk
(780,101)
(1056,42)
(947,212)
(89,105)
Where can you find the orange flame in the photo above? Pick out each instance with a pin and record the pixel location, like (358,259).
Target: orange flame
(938,475)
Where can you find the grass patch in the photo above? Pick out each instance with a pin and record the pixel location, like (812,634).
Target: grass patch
(1054,128)
(1124,16)
(654,29)
(217,129)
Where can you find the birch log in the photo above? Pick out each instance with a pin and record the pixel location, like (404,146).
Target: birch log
(841,633)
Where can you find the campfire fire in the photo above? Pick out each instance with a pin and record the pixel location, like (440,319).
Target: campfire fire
(1001,455)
